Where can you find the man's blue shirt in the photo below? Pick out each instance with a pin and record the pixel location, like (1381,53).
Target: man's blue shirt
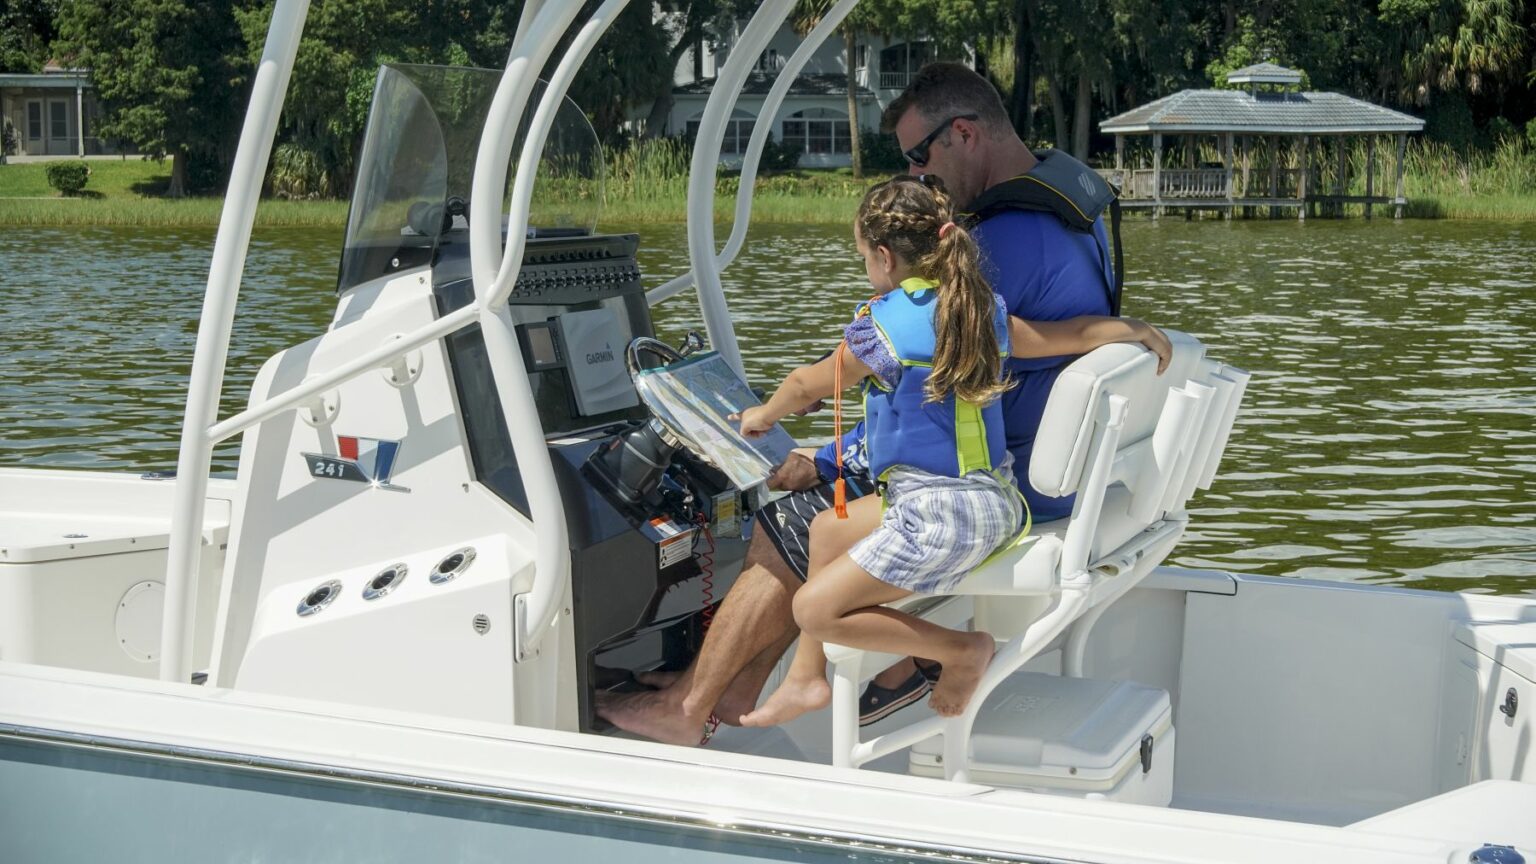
(1045,272)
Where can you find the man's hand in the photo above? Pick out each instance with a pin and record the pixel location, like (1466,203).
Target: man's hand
(796,474)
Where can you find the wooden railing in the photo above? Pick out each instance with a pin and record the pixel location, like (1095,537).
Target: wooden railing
(894,80)
(1208,183)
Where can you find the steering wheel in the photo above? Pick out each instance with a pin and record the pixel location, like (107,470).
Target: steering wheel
(633,465)
(656,348)
(431,220)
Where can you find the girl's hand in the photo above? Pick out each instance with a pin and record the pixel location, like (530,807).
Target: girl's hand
(756,421)
(1156,342)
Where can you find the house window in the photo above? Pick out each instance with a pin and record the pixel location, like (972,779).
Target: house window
(738,131)
(817,130)
(899,63)
(861,58)
(58,119)
(34,120)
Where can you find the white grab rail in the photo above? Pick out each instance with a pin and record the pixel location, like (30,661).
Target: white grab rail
(760,134)
(207,379)
(535,610)
(701,177)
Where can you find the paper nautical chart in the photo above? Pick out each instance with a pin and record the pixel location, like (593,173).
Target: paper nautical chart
(694,398)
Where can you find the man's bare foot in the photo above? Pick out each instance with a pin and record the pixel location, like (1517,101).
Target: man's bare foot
(659,679)
(962,674)
(794,697)
(652,714)
(736,703)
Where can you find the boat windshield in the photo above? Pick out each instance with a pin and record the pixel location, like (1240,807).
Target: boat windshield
(418,160)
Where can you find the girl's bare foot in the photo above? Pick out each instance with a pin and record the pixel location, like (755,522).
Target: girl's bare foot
(794,697)
(962,674)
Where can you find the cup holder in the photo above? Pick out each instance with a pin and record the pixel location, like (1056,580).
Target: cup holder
(319,597)
(385,581)
(453,564)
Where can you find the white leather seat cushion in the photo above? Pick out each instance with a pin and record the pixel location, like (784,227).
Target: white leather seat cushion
(1033,569)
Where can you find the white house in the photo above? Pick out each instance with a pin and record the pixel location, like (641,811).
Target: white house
(52,114)
(814,116)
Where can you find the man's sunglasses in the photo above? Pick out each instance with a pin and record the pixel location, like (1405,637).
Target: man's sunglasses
(918,155)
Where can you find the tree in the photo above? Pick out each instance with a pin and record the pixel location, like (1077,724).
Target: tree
(633,62)
(1456,44)
(1071,40)
(169,75)
(685,24)
(805,17)
(26,29)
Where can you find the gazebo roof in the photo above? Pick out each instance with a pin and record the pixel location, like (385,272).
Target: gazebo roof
(1264,73)
(1190,111)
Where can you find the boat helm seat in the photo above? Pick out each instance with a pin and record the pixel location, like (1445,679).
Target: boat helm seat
(1133,446)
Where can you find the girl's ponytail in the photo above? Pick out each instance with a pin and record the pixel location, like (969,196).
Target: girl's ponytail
(967,357)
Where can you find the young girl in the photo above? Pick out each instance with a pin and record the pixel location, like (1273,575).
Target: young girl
(929,349)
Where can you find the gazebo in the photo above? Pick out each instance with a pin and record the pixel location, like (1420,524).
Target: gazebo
(1205,143)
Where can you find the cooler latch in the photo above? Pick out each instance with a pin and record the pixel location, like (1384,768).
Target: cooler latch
(1511,704)
(1146,753)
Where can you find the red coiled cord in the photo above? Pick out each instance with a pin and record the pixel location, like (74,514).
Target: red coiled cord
(706,561)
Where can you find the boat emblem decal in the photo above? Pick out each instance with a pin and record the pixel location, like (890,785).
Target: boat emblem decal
(361,460)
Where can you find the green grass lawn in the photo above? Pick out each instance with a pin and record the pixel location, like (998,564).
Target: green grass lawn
(131,177)
(127,192)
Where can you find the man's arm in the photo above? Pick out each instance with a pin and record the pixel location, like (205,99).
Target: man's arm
(806,468)
(1083,334)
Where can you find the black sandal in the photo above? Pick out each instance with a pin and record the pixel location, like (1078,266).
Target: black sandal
(878,702)
(930,670)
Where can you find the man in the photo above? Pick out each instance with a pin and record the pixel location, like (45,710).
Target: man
(951,123)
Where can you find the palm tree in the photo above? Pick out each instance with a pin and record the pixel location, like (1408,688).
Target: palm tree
(1456,43)
(808,14)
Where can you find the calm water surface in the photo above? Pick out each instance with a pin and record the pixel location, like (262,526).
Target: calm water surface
(1387,435)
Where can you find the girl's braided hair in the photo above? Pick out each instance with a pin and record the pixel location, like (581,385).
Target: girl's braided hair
(908,215)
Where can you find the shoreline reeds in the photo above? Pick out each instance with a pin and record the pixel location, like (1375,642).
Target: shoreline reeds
(648,182)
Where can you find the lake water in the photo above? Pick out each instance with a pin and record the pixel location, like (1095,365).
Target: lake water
(1388,435)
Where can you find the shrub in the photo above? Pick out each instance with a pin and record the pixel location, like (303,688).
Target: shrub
(778,156)
(299,173)
(881,152)
(7,138)
(68,177)
(1498,129)
(1530,132)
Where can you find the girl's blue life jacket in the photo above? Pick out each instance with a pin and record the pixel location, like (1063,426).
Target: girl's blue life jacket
(950,437)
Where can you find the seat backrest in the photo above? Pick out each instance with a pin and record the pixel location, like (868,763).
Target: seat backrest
(1066,434)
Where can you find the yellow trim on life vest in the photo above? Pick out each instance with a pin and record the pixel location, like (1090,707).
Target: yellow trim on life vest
(1058,192)
(1020,538)
(971,452)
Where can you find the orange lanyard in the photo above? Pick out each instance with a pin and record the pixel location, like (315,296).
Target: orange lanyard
(839,488)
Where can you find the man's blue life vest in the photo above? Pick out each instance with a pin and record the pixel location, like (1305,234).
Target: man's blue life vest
(951,437)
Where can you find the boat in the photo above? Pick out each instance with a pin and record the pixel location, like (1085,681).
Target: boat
(463,511)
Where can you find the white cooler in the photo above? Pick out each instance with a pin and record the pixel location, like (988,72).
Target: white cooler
(1069,736)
